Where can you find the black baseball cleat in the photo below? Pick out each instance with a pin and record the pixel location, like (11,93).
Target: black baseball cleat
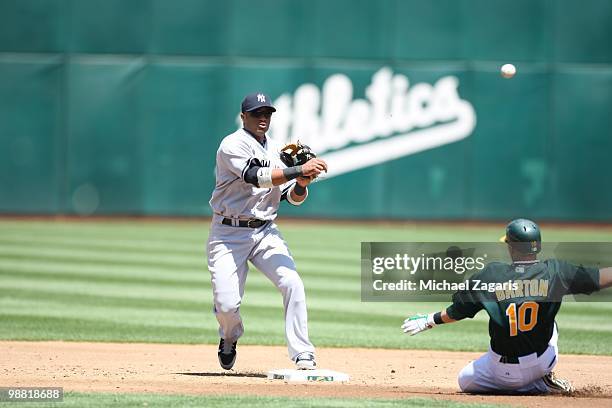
(305,361)
(556,384)
(227,358)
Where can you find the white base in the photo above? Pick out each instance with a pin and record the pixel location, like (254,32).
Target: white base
(307,375)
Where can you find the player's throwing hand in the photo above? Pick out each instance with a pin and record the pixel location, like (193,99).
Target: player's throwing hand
(314,167)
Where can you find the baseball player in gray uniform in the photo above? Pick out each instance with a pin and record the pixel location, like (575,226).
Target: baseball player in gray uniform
(251,180)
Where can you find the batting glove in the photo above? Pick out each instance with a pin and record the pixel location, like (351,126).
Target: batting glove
(418,323)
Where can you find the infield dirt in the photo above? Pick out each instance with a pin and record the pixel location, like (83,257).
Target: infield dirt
(194,370)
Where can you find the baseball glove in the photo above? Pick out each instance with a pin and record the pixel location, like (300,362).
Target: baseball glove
(296,154)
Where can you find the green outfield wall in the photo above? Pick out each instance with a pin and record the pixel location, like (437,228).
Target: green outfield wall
(117,107)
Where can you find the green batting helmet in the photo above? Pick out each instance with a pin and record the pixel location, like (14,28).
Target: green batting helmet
(524,236)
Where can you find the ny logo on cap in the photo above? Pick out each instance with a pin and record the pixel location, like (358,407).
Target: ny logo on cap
(261,98)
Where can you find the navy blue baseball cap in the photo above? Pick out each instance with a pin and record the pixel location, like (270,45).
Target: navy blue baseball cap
(255,101)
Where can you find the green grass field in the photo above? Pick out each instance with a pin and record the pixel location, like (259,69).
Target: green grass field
(131,281)
(83,400)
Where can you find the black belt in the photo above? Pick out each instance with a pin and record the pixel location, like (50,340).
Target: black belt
(252,223)
(515,359)
(509,360)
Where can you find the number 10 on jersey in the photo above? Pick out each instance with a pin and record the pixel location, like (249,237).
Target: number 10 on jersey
(526,318)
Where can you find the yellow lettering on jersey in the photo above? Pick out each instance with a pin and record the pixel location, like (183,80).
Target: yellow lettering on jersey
(501,295)
(519,289)
(543,288)
(524,288)
(533,287)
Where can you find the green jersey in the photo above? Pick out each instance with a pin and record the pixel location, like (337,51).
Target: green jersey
(522,301)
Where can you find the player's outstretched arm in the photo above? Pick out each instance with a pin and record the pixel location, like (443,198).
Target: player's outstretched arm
(605,278)
(419,323)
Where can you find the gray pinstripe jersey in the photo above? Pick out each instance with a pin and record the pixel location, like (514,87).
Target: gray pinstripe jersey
(235,198)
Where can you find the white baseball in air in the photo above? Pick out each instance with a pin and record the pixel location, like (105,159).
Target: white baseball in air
(508,70)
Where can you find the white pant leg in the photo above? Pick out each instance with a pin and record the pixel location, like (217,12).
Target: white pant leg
(477,376)
(271,256)
(228,271)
